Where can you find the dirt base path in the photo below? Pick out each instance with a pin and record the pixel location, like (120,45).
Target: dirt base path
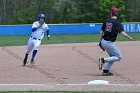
(68,67)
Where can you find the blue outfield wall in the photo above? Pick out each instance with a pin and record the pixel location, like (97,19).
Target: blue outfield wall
(15,30)
(65,29)
(75,29)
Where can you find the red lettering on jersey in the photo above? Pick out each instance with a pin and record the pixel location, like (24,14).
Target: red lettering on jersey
(108,27)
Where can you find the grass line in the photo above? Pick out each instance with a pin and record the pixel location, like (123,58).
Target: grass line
(57,39)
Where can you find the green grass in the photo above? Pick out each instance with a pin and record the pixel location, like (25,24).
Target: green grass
(136,36)
(57,39)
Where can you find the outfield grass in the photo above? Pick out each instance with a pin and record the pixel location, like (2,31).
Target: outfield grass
(57,39)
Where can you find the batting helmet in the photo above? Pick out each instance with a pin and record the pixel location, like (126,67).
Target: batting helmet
(42,16)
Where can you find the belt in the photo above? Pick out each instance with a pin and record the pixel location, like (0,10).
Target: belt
(35,38)
(108,40)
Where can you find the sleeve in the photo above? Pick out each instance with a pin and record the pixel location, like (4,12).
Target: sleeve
(34,27)
(120,27)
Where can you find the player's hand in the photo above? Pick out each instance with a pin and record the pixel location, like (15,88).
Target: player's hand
(40,26)
(131,38)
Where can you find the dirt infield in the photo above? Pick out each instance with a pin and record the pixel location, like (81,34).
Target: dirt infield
(69,67)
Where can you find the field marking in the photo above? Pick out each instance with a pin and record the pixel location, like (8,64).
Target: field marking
(123,85)
(118,85)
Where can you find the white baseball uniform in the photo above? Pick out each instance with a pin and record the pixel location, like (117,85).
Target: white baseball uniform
(36,36)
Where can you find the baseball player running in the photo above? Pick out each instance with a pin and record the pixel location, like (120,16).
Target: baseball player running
(109,31)
(38,30)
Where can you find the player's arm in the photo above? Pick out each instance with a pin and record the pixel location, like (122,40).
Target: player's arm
(47,31)
(122,32)
(34,29)
(125,35)
(101,35)
(35,26)
(101,32)
(48,34)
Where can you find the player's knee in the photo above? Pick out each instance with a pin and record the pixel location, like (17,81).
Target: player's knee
(36,48)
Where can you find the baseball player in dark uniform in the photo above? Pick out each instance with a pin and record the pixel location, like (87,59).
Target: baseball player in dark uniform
(109,31)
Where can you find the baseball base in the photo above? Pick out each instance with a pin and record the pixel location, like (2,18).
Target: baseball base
(98,82)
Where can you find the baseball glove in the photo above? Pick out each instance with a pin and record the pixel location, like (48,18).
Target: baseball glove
(101,46)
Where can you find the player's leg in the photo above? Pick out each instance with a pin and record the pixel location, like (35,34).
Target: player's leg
(28,50)
(107,68)
(112,50)
(114,53)
(36,46)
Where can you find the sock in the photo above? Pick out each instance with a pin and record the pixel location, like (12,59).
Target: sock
(34,54)
(26,56)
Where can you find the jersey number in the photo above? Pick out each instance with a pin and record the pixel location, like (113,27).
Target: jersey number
(108,27)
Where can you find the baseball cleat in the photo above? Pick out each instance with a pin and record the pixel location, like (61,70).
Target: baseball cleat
(107,74)
(24,61)
(101,62)
(32,61)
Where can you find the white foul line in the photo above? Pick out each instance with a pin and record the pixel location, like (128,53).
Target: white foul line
(119,85)
(23,84)
(126,85)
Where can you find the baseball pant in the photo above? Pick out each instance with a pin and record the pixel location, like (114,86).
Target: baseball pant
(113,52)
(32,45)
